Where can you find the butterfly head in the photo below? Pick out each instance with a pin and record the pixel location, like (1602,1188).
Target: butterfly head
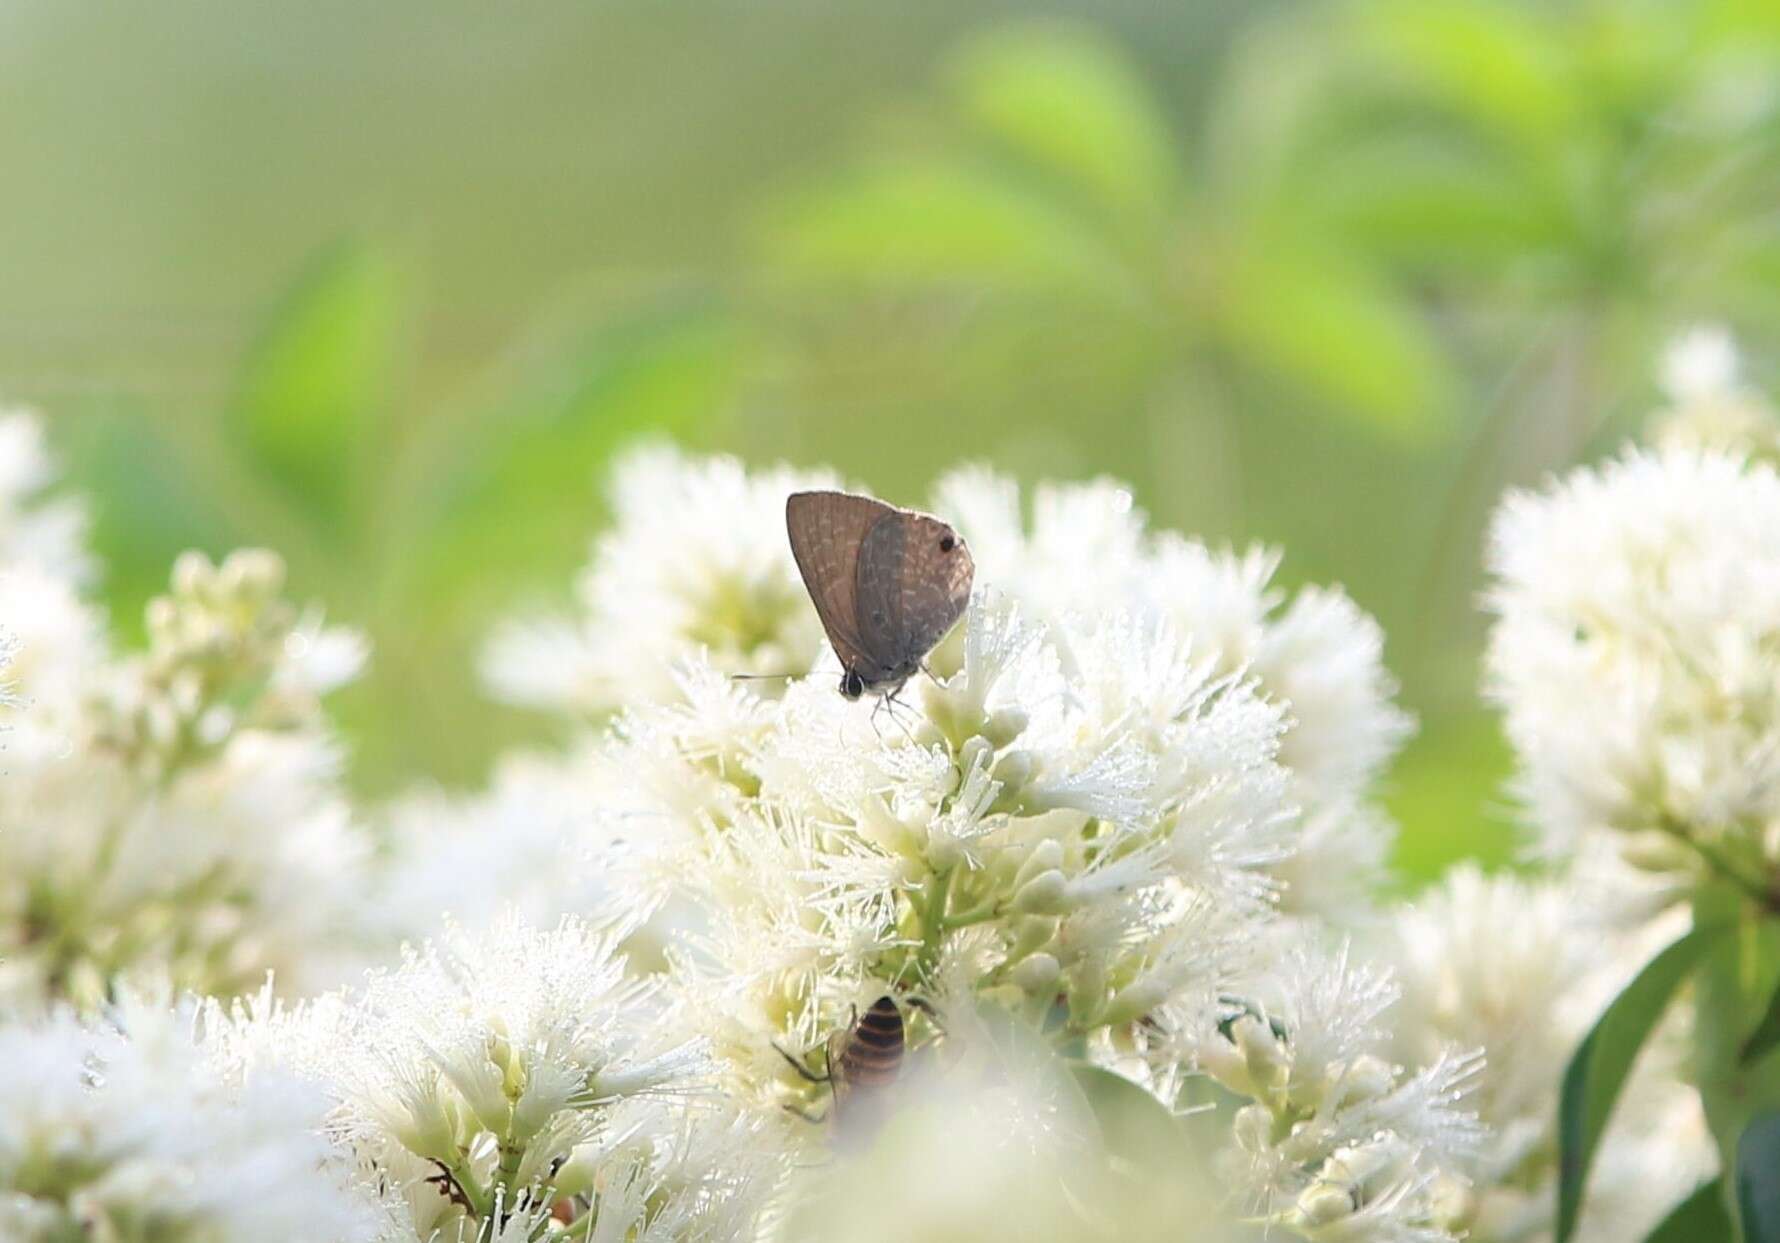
(852,685)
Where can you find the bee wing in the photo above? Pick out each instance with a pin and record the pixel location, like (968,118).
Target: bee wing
(827,531)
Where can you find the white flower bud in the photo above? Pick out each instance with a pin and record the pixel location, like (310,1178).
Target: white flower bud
(1014,769)
(254,573)
(1137,999)
(1253,1128)
(1323,1203)
(1047,856)
(1087,992)
(192,573)
(1031,933)
(1044,894)
(1367,1079)
(976,751)
(1004,725)
(1037,974)
(1224,1062)
(1268,1066)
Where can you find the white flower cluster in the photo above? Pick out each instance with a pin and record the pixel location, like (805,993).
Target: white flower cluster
(1139,758)
(131,1126)
(1637,658)
(1710,408)
(694,562)
(1087,551)
(37,528)
(501,1086)
(1127,824)
(1522,968)
(176,808)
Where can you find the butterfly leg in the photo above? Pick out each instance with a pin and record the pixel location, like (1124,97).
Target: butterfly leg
(890,703)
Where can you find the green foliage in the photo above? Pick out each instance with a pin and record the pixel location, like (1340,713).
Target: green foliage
(1766,1035)
(1732,992)
(1700,1217)
(1447,791)
(1069,103)
(1758,1186)
(1323,275)
(1053,183)
(508,495)
(1612,165)
(1599,1067)
(420,531)
(316,391)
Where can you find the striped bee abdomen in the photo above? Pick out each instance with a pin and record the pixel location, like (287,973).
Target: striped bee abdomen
(872,1055)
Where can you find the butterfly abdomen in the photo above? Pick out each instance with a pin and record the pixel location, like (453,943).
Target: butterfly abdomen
(872,1056)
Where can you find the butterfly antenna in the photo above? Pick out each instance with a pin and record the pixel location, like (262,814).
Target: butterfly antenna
(763,677)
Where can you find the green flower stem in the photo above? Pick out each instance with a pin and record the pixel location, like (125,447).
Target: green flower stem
(1758,889)
(933,919)
(976,915)
(1731,993)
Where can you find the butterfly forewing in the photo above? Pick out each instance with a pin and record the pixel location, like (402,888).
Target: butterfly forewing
(827,530)
(887,583)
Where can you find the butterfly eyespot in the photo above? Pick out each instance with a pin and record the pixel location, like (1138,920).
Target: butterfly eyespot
(947,543)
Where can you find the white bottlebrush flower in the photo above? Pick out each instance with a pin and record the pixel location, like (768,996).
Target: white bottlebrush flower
(1636,653)
(129,1127)
(696,562)
(1027,837)
(520,1076)
(1338,1141)
(1522,968)
(1711,408)
(1082,823)
(46,533)
(1088,551)
(538,842)
(1079,829)
(174,811)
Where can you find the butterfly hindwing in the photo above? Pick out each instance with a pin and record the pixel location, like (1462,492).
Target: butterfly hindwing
(914,579)
(887,583)
(827,531)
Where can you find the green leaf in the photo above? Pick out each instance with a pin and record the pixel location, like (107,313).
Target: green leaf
(1334,328)
(939,223)
(1136,1130)
(1758,1179)
(516,498)
(1698,1218)
(316,384)
(1073,104)
(151,501)
(1766,1035)
(1503,68)
(1599,1067)
(1441,204)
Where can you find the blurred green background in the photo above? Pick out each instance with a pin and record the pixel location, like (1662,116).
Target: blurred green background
(383,286)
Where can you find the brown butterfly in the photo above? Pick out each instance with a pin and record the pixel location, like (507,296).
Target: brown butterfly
(887,583)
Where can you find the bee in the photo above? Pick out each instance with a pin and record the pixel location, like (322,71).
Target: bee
(864,1059)
(871,1055)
